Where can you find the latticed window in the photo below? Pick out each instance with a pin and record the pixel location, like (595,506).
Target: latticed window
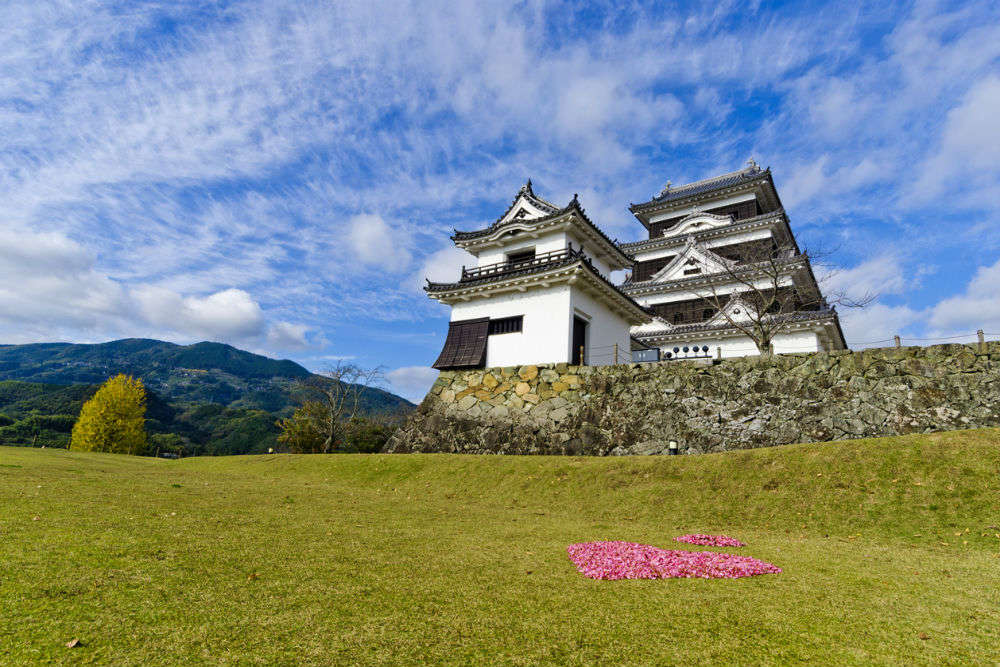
(647,269)
(505,325)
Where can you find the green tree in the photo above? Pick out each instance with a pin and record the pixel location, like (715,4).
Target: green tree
(114,419)
(328,420)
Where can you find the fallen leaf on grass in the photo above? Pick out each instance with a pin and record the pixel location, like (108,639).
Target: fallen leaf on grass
(34,518)
(73,643)
(924,636)
(253,576)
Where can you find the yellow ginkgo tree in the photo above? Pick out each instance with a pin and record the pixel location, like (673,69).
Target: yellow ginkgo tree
(113,420)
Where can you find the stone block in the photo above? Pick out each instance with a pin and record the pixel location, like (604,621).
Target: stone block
(522,388)
(559,387)
(467,402)
(531,398)
(528,372)
(448,396)
(483,395)
(549,375)
(490,382)
(499,412)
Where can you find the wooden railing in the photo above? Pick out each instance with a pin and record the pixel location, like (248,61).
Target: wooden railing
(503,268)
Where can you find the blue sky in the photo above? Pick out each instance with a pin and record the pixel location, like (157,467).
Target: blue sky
(282,175)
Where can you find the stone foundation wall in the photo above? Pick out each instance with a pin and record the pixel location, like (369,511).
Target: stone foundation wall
(707,405)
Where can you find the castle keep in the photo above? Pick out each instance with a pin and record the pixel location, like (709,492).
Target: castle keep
(720,266)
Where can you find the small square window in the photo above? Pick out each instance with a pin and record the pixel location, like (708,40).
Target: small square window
(521,256)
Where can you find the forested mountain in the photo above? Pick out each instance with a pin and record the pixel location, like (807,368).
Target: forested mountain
(206,398)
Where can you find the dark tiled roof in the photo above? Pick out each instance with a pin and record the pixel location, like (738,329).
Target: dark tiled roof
(799,316)
(751,173)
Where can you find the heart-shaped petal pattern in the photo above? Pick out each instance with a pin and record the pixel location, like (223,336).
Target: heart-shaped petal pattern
(628,560)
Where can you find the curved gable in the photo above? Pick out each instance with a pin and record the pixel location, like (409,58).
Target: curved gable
(698,221)
(694,259)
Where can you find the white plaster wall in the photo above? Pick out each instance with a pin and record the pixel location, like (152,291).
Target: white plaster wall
(604,329)
(544,338)
(544,243)
(701,206)
(742,346)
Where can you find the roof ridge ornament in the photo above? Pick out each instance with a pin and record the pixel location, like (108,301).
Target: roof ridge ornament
(752,164)
(526,187)
(665,190)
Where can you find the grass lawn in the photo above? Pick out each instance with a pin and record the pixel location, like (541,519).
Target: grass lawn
(890,550)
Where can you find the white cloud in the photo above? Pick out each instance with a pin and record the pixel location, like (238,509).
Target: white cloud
(376,242)
(287,336)
(978,307)
(412,382)
(878,276)
(876,325)
(227,315)
(970,143)
(443,266)
(50,286)
(810,181)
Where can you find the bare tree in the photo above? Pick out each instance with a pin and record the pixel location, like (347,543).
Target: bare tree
(331,401)
(761,294)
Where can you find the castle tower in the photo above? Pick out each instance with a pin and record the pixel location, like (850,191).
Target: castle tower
(718,251)
(539,292)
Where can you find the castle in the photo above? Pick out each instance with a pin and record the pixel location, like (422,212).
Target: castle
(720,275)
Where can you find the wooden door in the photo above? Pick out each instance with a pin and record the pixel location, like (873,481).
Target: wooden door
(579,340)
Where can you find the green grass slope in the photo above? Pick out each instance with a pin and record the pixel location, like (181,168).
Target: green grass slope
(890,550)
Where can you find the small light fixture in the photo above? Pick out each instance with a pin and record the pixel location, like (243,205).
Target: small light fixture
(672,447)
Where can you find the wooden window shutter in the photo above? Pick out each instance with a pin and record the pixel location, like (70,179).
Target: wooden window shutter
(465,346)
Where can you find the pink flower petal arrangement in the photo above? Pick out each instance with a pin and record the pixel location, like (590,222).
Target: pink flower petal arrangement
(710,540)
(628,560)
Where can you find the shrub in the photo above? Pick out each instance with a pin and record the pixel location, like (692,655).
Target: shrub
(113,420)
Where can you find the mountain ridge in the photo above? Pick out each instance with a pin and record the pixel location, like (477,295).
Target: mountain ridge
(218,398)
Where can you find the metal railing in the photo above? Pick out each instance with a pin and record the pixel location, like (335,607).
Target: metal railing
(503,268)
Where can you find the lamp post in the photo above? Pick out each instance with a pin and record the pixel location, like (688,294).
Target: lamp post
(672,448)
